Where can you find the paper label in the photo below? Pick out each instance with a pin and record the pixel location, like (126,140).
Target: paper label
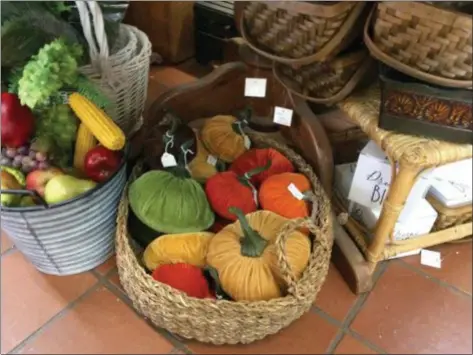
(255,87)
(212,160)
(295,191)
(282,116)
(246,141)
(168,160)
(431,258)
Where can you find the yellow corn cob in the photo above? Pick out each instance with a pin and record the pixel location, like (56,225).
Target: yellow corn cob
(98,122)
(85,141)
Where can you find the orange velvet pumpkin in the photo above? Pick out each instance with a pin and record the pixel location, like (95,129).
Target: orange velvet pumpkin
(275,195)
(255,158)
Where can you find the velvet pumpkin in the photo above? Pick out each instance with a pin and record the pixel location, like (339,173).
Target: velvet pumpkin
(224,138)
(170,202)
(227,189)
(171,136)
(200,168)
(189,248)
(274,195)
(244,255)
(254,158)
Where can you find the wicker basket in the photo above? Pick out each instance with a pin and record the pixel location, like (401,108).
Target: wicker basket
(427,42)
(325,82)
(221,321)
(450,217)
(300,32)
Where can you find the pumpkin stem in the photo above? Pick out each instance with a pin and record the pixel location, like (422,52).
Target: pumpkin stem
(216,284)
(239,124)
(175,122)
(252,244)
(245,114)
(245,179)
(181,169)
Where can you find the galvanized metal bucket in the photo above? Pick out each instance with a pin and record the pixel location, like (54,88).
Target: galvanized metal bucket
(69,237)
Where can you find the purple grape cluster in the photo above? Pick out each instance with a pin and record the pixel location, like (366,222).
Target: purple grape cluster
(24,158)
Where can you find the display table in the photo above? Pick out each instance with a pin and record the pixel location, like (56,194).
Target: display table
(413,155)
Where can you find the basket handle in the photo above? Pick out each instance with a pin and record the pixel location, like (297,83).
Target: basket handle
(31,193)
(281,239)
(95,35)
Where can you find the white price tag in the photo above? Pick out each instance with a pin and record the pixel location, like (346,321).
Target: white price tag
(211,160)
(246,141)
(168,160)
(430,258)
(295,192)
(282,116)
(255,87)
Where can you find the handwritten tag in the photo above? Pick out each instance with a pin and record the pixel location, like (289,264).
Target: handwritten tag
(255,87)
(430,258)
(282,116)
(246,141)
(211,160)
(168,160)
(295,192)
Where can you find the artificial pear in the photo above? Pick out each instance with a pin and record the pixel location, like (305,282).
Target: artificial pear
(65,187)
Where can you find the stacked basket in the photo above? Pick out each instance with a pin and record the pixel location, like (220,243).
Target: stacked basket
(315,46)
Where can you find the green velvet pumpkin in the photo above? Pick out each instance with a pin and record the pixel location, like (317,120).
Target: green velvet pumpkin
(170,202)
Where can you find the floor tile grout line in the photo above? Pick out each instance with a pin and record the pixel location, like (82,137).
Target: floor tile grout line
(175,341)
(434,279)
(317,310)
(53,319)
(365,342)
(354,310)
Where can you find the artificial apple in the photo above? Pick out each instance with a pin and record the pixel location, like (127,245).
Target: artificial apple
(9,182)
(37,179)
(65,187)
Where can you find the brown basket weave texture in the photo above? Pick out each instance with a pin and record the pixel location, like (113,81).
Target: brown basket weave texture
(304,31)
(433,39)
(325,82)
(450,217)
(226,322)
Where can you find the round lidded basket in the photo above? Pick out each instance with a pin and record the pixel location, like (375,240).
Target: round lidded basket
(430,43)
(299,32)
(227,322)
(326,82)
(120,72)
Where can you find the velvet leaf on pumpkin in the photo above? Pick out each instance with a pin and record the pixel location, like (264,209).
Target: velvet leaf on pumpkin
(255,158)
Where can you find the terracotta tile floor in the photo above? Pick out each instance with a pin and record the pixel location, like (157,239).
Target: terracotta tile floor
(412,308)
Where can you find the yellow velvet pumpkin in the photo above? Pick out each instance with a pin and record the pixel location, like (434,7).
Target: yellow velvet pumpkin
(200,168)
(244,255)
(224,138)
(189,248)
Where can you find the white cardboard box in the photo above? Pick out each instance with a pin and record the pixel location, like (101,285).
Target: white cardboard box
(419,222)
(452,184)
(372,180)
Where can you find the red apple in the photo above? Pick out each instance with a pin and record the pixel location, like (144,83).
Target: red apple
(37,179)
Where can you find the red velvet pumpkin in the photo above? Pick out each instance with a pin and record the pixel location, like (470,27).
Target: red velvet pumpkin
(228,189)
(275,195)
(255,158)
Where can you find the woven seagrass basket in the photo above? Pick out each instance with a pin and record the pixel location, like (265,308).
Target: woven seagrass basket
(325,82)
(300,32)
(450,217)
(428,42)
(221,321)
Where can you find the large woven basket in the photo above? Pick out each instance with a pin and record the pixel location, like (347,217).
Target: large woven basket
(221,321)
(122,71)
(430,43)
(300,32)
(325,82)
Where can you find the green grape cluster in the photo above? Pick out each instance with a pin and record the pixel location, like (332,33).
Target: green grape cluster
(59,124)
(53,67)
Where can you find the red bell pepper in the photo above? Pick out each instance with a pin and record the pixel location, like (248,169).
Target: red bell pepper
(100,163)
(184,277)
(17,122)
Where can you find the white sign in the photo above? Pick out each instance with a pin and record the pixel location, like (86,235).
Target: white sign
(295,192)
(255,87)
(372,180)
(431,258)
(212,160)
(168,160)
(282,116)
